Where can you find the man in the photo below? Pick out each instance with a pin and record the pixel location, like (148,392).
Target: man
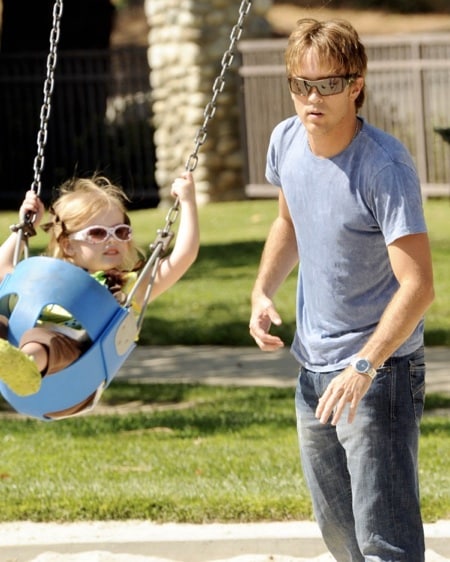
(350,211)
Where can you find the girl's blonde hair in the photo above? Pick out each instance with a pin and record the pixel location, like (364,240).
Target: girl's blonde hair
(79,200)
(335,42)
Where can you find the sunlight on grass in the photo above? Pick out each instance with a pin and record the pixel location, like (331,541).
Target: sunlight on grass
(211,303)
(230,454)
(437,321)
(233,457)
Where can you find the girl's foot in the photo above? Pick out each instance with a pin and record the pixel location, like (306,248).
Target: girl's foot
(18,371)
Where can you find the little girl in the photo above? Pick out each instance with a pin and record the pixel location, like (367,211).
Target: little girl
(91,229)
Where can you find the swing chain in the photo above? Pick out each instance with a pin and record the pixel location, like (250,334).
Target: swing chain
(25,229)
(49,83)
(165,235)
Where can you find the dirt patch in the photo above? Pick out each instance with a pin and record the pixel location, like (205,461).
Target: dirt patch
(132,27)
(105,409)
(282,19)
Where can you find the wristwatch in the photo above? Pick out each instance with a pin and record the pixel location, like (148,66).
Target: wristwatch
(364,367)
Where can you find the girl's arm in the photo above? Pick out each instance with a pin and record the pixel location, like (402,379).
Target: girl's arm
(33,205)
(187,240)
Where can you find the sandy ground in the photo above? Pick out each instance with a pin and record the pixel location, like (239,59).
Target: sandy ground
(143,541)
(108,557)
(101,556)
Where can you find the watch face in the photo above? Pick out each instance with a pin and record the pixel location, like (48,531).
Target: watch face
(362,365)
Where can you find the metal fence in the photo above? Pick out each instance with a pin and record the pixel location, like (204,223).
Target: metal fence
(100,121)
(408,85)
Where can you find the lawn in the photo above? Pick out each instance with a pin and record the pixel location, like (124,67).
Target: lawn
(201,453)
(211,304)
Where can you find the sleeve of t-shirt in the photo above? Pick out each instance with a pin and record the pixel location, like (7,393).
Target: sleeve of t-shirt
(272,175)
(397,201)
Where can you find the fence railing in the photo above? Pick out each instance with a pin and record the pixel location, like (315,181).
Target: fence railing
(408,85)
(100,121)
(101,113)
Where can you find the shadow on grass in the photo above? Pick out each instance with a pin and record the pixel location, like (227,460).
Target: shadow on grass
(220,323)
(230,255)
(232,332)
(187,409)
(437,337)
(435,425)
(192,410)
(220,301)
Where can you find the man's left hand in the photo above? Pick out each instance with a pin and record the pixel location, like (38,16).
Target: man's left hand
(346,388)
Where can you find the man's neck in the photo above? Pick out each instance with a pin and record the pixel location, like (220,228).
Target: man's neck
(333,143)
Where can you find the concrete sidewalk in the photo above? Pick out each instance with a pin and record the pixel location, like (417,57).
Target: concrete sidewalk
(245,366)
(292,541)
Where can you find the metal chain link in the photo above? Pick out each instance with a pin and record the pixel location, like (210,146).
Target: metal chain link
(49,83)
(25,229)
(164,235)
(209,111)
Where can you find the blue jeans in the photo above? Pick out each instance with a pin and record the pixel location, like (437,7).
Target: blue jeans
(363,476)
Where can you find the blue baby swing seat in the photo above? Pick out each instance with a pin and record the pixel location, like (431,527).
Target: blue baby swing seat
(40,281)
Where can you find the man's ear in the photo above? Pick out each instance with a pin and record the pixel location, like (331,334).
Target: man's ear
(356,86)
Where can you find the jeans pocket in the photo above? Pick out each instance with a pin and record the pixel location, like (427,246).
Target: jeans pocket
(417,382)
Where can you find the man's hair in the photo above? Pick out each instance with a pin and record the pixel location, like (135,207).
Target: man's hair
(335,42)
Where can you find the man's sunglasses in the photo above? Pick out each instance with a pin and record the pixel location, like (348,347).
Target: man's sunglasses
(97,234)
(325,86)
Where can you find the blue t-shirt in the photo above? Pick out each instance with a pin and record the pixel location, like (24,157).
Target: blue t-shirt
(345,210)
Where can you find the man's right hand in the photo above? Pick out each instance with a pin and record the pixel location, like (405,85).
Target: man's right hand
(263,316)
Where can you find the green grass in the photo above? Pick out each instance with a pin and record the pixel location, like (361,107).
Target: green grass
(211,304)
(437,321)
(202,454)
